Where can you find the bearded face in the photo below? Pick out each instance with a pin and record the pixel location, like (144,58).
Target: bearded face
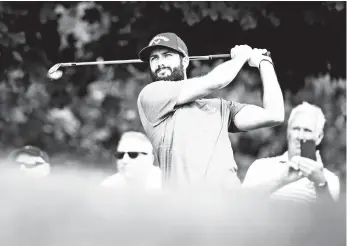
(166,65)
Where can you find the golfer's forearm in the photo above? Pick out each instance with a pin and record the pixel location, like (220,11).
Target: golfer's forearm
(272,93)
(224,73)
(218,78)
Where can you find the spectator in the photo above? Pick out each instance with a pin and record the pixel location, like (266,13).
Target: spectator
(135,164)
(291,176)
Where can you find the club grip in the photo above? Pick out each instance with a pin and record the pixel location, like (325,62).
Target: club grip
(220,56)
(226,56)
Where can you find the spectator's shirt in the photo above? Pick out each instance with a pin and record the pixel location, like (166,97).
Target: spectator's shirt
(191,141)
(303,190)
(152,180)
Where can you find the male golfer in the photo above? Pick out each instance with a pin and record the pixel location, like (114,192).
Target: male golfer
(189,133)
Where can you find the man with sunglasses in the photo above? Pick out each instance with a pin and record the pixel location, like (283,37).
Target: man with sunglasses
(189,131)
(135,167)
(32,161)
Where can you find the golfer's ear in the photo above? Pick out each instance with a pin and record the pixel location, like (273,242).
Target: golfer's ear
(185,62)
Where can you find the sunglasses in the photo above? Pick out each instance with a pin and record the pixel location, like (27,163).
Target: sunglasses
(132,154)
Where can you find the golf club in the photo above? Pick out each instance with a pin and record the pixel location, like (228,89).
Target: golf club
(55,73)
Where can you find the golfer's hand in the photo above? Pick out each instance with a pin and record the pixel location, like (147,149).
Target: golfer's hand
(241,51)
(256,56)
(311,169)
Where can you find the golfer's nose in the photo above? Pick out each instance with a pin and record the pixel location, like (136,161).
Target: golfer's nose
(161,61)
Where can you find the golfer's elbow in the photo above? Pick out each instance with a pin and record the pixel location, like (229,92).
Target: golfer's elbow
(277,122)
(275,111)
(277,118)
(272,117)
(280,114)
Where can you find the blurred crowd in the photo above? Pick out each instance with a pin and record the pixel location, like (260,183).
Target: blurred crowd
(130,208)
(281,177)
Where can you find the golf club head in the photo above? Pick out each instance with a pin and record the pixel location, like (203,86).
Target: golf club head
(54,72)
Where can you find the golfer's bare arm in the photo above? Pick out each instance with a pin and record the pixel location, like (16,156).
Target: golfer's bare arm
(272,113)
(160,98)
(195,88)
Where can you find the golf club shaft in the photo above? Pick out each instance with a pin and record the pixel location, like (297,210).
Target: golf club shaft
(192,58)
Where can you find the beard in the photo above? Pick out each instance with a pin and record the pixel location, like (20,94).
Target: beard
(177,74)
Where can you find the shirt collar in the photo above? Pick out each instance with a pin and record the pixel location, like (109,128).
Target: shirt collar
(284,156)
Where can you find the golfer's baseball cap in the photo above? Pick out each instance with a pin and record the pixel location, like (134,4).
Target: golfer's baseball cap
(165,40)
(29,150)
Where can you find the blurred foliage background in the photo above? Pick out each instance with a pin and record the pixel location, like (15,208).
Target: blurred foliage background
(78,119)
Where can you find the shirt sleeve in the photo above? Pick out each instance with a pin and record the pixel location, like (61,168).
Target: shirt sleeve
(158,100)
(234,108)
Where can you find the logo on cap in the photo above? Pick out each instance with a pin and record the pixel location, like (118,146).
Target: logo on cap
(157,39)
